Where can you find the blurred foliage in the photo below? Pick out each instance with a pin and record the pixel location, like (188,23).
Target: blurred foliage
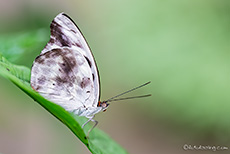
(181,46)
(99,142)
(21,47)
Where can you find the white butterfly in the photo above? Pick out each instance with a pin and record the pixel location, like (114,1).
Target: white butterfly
(66,73)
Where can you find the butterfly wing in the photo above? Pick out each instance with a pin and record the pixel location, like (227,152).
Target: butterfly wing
(65,72)
(64,32)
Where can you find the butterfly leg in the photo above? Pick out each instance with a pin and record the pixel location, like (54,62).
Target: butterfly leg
(90,119)
(96,122)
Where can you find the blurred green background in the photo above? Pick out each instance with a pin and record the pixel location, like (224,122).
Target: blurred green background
(182,46)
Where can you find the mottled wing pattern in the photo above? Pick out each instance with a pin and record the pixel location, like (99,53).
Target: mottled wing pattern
(65,72)
(63,76)
(65,33)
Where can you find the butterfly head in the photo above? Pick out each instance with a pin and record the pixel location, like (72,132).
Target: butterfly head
(103,104)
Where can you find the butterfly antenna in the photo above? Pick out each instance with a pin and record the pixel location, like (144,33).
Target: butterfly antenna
(112,98)
(119,99)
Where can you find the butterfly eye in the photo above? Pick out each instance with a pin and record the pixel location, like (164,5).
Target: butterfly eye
(104,104)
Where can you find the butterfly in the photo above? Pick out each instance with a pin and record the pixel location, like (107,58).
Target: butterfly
(66,73)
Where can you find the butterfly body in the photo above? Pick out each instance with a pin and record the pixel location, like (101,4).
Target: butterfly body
(66,73)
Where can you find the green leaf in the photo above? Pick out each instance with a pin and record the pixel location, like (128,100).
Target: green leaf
(98,141)
(16,47)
